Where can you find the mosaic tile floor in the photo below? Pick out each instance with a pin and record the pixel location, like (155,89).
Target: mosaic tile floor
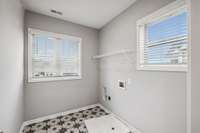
(70,123)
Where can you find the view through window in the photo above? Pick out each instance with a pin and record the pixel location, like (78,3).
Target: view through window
(54,56)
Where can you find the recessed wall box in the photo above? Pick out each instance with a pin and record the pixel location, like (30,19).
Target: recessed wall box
(122,84)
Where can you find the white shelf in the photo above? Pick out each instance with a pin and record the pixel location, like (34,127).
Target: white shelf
(112,54)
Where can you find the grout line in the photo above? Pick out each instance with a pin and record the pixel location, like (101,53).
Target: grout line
(133,129)
(40,119)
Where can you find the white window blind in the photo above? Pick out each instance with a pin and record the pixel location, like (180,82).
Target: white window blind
(163,41)
(53,56)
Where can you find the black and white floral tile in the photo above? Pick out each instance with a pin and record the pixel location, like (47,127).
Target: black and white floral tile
(70,123)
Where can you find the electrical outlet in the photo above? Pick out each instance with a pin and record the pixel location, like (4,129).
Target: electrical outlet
(129,81)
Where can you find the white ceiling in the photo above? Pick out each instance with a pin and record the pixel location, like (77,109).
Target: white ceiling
(92,13)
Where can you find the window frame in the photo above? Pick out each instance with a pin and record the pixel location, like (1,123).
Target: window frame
(173,8)
(32,31)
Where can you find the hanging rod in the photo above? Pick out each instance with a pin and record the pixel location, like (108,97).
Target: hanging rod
(112,54)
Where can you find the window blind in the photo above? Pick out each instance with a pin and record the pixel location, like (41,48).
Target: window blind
(166,40)
(54,57)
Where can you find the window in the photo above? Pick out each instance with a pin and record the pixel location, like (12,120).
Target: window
(53,56)
(163,39)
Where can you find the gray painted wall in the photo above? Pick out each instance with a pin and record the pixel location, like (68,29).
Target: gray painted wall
(195,66)
(46,98)
(155,102)
(11,64)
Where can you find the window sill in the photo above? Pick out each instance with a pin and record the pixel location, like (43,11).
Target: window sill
(172,68)
(33,80)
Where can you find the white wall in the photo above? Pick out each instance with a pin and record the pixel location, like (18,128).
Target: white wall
(155,102)
(11,64)
(195,65)
(46,98)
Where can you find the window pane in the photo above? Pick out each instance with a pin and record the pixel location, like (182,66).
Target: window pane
(166,41)
(69,61)
(53,57)
(169,28)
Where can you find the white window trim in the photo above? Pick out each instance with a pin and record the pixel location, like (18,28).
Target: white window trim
(174,7)
(57,35)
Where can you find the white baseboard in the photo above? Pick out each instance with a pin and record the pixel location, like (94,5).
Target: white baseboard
(58,114)
(73,111)
(40,119)
(21,128)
